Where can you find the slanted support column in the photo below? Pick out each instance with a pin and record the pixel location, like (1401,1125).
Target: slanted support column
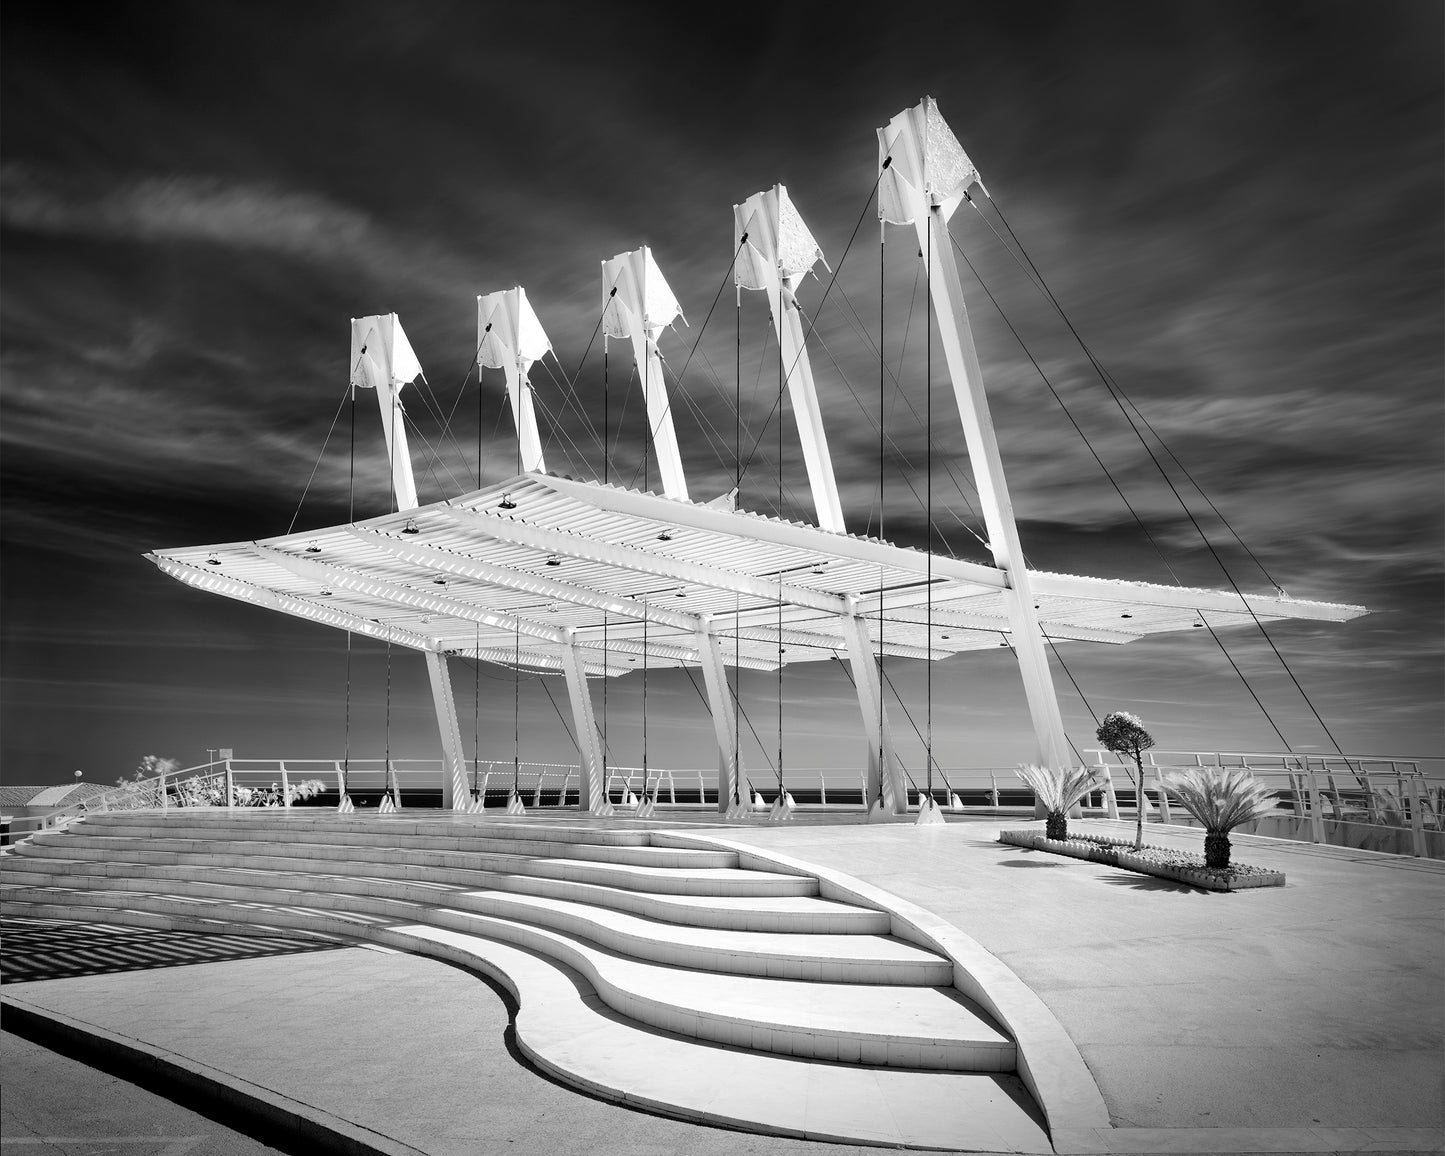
(775,252)
(885,777)
(382,359)
(592,791)
(724,719)
(454,765)
(926,178)
(637,304)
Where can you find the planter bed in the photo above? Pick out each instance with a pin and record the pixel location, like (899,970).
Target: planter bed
(1163,862)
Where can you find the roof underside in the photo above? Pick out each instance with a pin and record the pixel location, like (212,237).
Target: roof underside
(510,573)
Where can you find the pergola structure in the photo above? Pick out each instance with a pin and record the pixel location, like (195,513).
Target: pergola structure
(591,580)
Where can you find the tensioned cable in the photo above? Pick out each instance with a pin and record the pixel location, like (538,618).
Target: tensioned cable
(903,458)
(882,423)
(386,774)
(317,465)
(961,481)
(902,766)
(1139,521)
(867,201)
(1109,379)
(1114,393)
(350,517)
(737,502)
(782,385)
(606,480)
(737,786)
(1014,651)
(928,441)
(1044,377)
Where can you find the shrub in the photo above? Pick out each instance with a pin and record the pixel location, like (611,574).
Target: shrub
(1057,790)
(1123,734)
(1220,798)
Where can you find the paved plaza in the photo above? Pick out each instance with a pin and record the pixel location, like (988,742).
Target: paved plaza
(1304,1018)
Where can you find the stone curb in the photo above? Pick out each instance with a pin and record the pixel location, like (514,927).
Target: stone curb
(1123,857)
(1048,1061)
(327,1133)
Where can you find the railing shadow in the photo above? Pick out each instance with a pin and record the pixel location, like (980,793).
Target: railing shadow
(37,949)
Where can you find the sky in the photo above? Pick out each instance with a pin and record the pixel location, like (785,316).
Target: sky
(1238,207)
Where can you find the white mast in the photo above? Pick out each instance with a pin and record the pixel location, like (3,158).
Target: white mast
(510,338)
(778,253)
(926,177)
(775,252)
(382,359)
(637,304)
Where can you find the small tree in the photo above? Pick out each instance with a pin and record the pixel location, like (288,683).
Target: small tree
(1220,798)
(1123,734)
(1057,790)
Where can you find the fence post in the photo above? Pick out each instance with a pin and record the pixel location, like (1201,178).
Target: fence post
(537,794)
(1164,815)
(340,785)
(285,786)
(393,784)
(822,788)
(1417,818)
(165,803)
(230,787)
(992,787)
(1111,800)
(1317,818)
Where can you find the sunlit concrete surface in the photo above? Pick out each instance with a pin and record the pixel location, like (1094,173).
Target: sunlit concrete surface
(1305,1018)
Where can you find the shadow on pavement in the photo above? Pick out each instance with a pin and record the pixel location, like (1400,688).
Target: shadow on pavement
(38,949)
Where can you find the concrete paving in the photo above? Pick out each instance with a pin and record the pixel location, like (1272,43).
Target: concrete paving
(1318,1004)
(53,1103)
(1303,1018)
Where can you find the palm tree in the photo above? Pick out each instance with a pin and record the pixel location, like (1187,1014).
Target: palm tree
(1057,789)
(1123,734)
(1220,798)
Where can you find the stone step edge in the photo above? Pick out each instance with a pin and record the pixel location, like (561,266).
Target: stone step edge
(317,1128)
(663,907)
(249,817)
(614,976)
(629,877)
(553,997)
(570,924)
(683,859)
(1049,1062)
(872,1048)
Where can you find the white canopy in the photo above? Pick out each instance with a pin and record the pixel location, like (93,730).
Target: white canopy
(508,332)
(775,232)
(536,560)
(380,352)
(635,293)
(924,154)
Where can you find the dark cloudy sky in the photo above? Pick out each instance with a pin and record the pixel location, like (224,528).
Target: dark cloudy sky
(1238,204)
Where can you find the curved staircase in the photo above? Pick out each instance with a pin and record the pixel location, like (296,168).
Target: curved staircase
(665,976)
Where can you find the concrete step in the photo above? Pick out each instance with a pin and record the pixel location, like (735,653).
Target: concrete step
(177,831)
(800,914)
(717,881)
(565,1029)
(250,819)
(878,1025)
(839,959)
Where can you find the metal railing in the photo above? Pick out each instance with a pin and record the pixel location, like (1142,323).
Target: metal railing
(1378,803)
(1371,802)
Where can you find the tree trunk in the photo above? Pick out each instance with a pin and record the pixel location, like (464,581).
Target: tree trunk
(1216,849)
(1139,809)
(1056,826)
